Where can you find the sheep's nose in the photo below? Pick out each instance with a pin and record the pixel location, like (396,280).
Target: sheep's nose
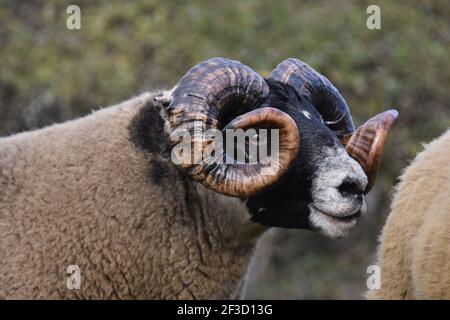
(352,188)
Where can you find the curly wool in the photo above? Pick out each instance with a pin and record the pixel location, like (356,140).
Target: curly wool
(414,253)
(82,193)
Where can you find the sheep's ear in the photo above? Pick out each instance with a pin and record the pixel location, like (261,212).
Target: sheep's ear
(366,143)
(164,98)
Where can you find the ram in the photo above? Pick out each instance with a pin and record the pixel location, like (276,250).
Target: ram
(113,195)
(414,253)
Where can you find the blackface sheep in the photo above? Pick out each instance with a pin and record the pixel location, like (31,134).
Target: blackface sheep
(102,192)
(414,253)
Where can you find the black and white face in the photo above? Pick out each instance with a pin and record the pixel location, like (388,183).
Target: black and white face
(323,189)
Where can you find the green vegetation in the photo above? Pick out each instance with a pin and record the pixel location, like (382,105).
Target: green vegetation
(49,73)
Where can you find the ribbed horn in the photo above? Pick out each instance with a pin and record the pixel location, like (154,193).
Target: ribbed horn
(366,144)
(203,98)
(319,91)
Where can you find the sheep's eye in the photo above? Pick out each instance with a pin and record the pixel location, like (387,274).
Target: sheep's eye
(254,139)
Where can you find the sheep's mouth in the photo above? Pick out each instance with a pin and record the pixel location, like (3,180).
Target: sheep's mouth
(333,217)
(330,225)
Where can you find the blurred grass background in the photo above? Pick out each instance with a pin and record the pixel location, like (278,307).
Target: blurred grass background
(49,74)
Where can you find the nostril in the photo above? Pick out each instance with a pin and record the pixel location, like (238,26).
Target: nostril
(350,189)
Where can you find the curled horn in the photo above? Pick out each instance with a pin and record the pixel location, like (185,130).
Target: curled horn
(366,144)
(208,93)
(320,92)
